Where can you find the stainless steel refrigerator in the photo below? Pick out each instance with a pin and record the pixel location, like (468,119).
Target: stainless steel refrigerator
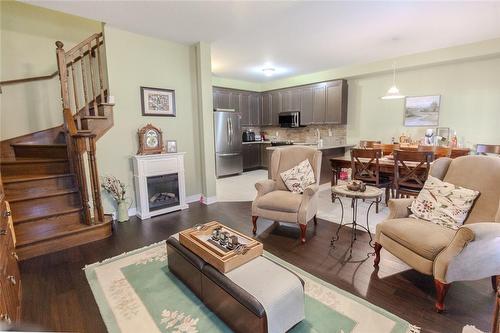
(228,159)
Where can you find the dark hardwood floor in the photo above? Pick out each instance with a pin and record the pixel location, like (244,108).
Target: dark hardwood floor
(56,295)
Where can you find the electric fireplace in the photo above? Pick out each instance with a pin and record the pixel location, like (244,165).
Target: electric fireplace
(159,184)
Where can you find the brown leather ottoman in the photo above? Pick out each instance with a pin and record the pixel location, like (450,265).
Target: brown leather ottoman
(239,309)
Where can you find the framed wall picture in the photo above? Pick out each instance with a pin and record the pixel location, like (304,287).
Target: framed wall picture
(422,111)
(157,102)
(171,146)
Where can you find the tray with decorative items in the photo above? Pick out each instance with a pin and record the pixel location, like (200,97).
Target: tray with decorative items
(220,246)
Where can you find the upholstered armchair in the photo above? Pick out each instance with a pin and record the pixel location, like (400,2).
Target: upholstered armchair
(275,202)
(472,252)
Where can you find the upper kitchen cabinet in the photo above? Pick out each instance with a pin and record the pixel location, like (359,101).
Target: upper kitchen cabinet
(329,102)
(336,102)
(245,109)
(276,106)
(255,109)
(226,99)
(290,99)
(267,109)
(306,105)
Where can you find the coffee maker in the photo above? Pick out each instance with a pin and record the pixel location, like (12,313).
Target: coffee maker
(248,135)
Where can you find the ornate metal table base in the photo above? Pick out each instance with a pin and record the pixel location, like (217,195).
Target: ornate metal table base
(354,224)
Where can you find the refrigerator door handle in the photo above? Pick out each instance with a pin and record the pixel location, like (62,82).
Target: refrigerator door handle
(231,130)
(228,154)
(228,130)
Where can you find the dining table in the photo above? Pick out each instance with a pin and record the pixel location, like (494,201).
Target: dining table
(386,165)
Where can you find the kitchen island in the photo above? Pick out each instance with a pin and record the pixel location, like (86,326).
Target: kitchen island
(328,150)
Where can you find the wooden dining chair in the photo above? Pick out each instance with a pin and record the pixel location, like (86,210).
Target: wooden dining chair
(365,167)
(411,169)
(387,148)
(482,149)
(367,143)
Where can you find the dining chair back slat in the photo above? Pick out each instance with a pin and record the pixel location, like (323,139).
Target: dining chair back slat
(411,169)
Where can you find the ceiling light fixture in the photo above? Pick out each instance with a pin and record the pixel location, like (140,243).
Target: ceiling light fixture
(393,92)
(268,71)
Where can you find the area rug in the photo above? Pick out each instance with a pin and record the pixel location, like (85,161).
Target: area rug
(136,292)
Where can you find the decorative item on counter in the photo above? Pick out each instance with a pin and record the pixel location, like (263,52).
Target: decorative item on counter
(356,185)
(150,140)
(453,141)
(343,174)
(157,102)
(117,189)
(429,136)
(442,137)
(171,146)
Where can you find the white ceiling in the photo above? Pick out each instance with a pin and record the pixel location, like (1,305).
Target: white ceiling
(297,37)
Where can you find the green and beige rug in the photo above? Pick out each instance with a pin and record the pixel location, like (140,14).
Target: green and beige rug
(136,292)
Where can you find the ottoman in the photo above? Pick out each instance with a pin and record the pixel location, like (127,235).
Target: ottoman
(259,296)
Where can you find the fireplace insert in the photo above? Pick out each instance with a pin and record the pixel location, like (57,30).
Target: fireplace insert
(163,191)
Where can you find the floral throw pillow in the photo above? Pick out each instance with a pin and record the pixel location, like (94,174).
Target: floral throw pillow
(443,203)
(299,177)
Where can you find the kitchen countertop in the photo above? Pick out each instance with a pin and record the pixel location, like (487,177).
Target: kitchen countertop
(324,147)
(252,142)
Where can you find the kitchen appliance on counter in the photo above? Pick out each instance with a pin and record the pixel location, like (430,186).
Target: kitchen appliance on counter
(258,137)
(290,119)
(248,136)
(228,158)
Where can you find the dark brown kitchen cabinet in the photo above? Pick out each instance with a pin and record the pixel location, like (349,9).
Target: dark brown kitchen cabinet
(226,99)
(276,106)
(264,155)
(319,103)
(255,112)
(251,156)
(245,109)
(290,99)
(336,102)
(306,105)
(267,109)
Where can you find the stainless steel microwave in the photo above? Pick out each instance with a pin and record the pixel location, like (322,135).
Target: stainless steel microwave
(289,119)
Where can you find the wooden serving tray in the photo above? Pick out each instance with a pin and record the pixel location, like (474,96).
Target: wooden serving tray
(223,261)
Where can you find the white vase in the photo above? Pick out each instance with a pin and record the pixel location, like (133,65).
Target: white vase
(122,212)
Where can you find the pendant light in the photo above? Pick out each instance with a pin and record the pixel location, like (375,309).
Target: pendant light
(393,92)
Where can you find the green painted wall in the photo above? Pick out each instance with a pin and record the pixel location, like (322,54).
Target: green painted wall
(28,36)
(470,102)
(153,63)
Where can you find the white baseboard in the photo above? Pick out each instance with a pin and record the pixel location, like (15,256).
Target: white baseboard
(208,200)
(193,198)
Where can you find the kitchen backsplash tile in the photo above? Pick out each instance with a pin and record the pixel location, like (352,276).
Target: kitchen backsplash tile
(333,133)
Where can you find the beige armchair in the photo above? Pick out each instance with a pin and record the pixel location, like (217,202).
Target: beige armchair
(472,252)
(275,202)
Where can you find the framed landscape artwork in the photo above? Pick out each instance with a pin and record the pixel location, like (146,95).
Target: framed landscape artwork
(422,111)
(158,102)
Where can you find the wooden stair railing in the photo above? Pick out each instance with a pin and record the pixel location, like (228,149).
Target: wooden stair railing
(83,89)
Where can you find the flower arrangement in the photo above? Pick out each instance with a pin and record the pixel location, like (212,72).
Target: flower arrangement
(114,187)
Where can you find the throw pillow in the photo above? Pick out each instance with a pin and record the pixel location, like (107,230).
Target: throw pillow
(443,203)
(299,177)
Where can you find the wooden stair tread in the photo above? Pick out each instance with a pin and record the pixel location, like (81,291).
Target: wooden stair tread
(43,216)
(23,160)
(71,229)
(40,145)
(42,195)
(27,178)
(94,117)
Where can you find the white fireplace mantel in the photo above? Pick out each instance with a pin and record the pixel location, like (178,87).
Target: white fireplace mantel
(157,165)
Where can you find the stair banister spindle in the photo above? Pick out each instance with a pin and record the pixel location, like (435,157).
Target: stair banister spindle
(84,80)
(99,65)
(82,179)
(92,80)
(75,87)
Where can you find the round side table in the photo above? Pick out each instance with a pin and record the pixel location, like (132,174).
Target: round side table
(371,193)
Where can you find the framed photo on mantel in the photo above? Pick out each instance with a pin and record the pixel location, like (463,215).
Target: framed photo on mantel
(157,102)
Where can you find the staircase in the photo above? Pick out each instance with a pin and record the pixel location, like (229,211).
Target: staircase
(47,175)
